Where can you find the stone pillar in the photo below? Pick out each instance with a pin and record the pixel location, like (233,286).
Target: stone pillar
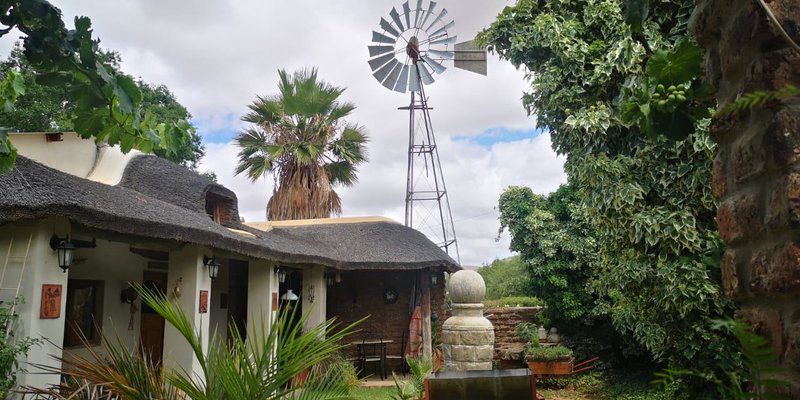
(467,337)
(756,172)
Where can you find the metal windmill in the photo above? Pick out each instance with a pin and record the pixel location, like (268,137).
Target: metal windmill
(406,52)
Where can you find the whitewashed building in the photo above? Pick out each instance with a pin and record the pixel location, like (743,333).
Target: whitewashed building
(119,218)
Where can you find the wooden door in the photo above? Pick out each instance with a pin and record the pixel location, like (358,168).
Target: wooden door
(152,326)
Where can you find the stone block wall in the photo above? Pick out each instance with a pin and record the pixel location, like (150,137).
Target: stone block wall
(756,175)
(508,347)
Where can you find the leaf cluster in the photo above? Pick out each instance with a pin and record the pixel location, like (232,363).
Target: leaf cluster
(107,103)
(644,199)
(12,347)
(300,136)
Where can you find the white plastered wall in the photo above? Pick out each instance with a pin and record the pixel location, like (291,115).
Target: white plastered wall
(218,315)
(41,267)
(261,284)
(116,266)
(187,266)
(314,281)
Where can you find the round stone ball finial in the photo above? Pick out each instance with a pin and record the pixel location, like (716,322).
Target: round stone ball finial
(466,286)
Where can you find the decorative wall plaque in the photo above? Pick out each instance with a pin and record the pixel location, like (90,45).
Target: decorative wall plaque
(203,301)
(51,302)
(274,301)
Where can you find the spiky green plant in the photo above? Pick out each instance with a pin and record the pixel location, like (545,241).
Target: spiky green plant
(760,379)
(263,367)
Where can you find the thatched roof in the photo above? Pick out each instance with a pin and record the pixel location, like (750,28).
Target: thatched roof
(160,200)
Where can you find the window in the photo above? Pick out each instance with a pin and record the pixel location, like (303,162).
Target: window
(219,208)
(84,314)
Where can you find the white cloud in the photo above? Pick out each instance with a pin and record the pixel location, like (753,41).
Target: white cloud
(217,55)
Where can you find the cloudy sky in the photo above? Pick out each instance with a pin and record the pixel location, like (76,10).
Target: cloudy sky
(216,56)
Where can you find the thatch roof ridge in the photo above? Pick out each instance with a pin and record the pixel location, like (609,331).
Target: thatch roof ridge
(33,191)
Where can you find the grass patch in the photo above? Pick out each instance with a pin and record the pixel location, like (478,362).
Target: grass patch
(377,393)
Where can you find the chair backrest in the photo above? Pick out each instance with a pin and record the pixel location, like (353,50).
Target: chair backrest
(371,345)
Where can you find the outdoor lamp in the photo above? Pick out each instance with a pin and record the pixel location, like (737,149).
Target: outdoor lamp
(281,274)
(213,266)
(434,279)
(65,249)
(290,296)
(329,279)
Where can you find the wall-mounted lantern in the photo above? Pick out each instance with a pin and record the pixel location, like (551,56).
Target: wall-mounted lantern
(281,274)
(434,278)
(212,265)
(329,280)
(66,249)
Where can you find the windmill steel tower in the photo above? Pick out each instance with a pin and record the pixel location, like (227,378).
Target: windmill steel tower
(405,55)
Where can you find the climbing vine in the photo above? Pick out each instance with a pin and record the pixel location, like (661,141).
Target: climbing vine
(618,87)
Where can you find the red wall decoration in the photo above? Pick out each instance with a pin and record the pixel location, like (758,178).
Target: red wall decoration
(203,301)
(51,302)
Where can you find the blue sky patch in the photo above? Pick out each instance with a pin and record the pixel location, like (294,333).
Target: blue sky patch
(218,129)
(492,136)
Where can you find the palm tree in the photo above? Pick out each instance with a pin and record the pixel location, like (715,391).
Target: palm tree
(300,136)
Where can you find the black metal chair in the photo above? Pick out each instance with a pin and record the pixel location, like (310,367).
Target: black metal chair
(400,357)
(372,350)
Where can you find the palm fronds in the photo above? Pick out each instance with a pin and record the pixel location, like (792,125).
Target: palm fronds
(749,101)
(299,136)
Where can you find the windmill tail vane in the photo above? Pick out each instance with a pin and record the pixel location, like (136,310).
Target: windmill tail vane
(409,48)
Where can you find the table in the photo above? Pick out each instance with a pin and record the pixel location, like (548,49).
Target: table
(360,344)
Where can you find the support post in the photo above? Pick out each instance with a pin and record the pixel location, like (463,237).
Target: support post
(262,286)
(427,339)
(187,272)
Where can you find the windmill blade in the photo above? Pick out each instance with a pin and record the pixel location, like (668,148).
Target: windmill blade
(407,13)
(417,12)
(381,38)
(396,18)
(449,40)
(442,54)
(402,81)
(391,80)
(378,62)
(439,18)
(378,50)
(381,74)
(428,13)
(425,74)
(443,29)
(389,28)
(438,68)
(413,80)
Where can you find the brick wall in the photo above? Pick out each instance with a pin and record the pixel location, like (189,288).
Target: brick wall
(756,171)
(508,347)
(360,294)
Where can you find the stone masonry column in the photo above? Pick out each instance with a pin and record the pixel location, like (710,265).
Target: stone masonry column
(467,337)
(756,173)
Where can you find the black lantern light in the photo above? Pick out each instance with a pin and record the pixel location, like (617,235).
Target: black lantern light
(212,265)
(65,249)
(281,274)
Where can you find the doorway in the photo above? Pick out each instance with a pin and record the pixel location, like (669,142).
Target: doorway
(151,332)
(290,292)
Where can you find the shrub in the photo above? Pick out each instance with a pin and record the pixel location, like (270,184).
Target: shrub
(12,348)
(548,353)
(528,332)
(502,278)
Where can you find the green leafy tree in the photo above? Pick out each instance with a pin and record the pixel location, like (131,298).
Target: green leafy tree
(107,103)
(647,198)
(556,247)
(300,136)
(46,108)
(504,278)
